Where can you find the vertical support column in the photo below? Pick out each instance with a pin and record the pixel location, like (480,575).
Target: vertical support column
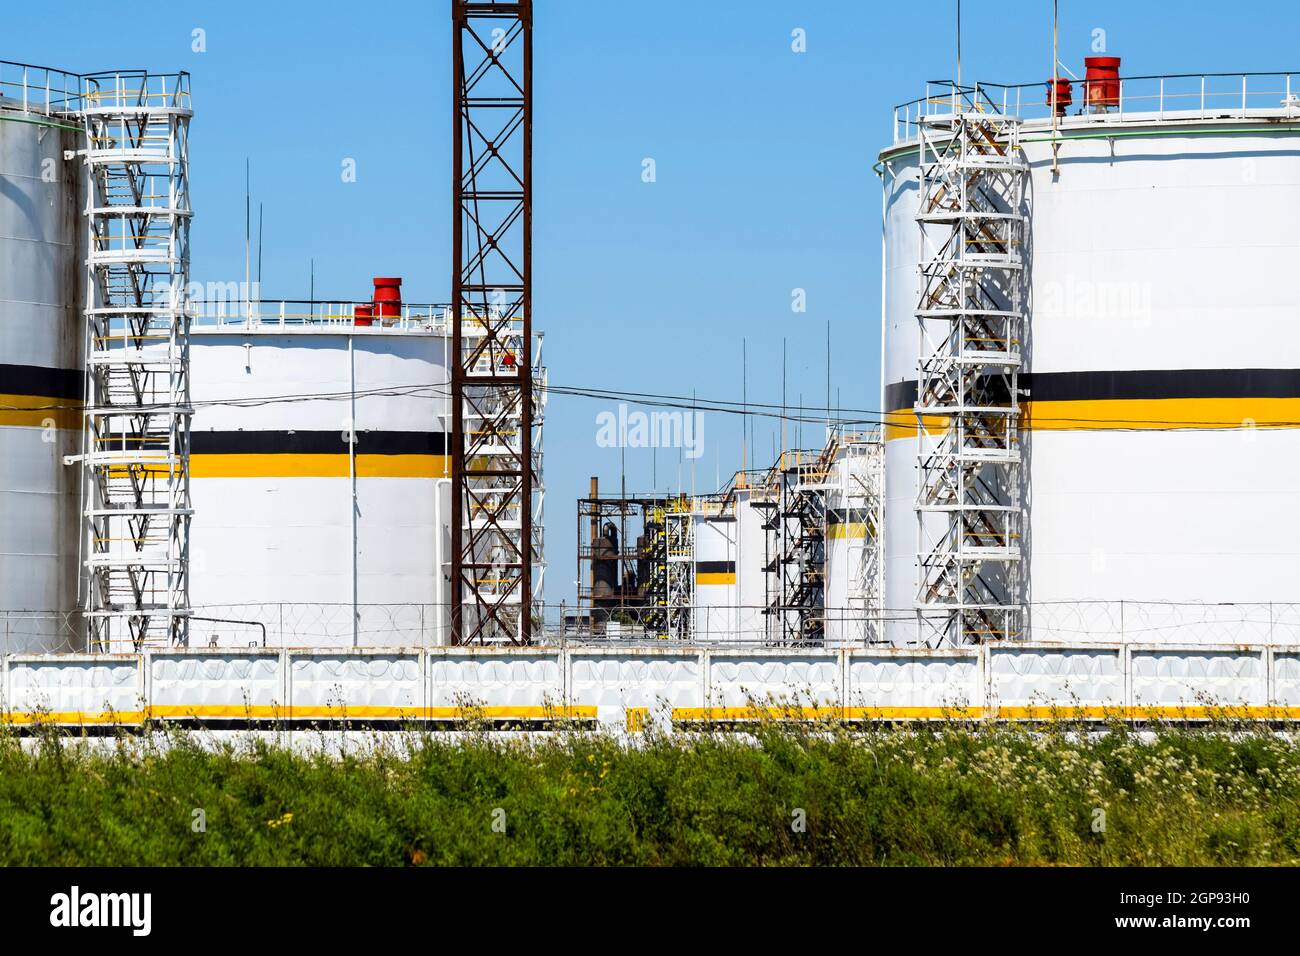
(493,465)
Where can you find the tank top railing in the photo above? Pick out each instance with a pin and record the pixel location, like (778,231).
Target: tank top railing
(1140,99)
(39,89)
(304,313)
(48,91)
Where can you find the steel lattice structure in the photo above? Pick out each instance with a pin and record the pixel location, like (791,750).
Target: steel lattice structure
(137,418)
(971,320)
(795,530)
(679,570)
(493,462)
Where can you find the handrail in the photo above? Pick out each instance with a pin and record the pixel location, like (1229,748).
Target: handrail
(1141,97)
(234,311)
(51,91)
(306,313)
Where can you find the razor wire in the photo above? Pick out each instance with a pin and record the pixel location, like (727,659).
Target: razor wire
(283,625)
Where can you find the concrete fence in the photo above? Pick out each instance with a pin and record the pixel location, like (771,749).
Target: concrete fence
(626,687)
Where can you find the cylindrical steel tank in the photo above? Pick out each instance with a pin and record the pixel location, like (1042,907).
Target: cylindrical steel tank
(604,565)
(295,528)
(41,381)
(715,573)
(852,545)
(1161,368)
(751,579)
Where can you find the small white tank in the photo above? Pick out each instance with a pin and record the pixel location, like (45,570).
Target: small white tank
(294,528)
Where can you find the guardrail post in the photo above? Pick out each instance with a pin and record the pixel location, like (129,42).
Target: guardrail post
(1270,681)
(1126,668)
(286,692)
(844,681)
(566,679)
(146,682)
(425,700)
(706,677)
(984,669)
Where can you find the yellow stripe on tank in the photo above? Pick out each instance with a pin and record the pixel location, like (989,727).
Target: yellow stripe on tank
(39,411)
(318,466)
(715,577)
(901,423)
(1124,414)
(846,529)
(1162,414)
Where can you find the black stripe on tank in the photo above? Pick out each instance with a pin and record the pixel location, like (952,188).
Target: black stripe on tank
(1162,383)
(715,567)
(39,380)
(900,395)
(331,442)
(1138,384)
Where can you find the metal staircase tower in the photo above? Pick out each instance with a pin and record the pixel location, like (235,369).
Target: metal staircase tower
(795,527)
(971,319)
(494,467)
(135,451)
(679,571)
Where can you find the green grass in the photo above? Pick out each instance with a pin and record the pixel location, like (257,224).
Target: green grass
(942,796)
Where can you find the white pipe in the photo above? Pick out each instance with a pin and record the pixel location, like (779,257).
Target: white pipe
(352,477)
(442,598)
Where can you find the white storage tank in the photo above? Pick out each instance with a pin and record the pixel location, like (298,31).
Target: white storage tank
(294,528)
(1160,386)
(716,603)
(752,580)
(42,247)
(731,585)
(852,593)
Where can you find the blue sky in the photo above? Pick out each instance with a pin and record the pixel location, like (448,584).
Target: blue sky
(763,157)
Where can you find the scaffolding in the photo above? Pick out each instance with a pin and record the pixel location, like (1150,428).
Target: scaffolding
(679,570)
(794,525)
(135,451)
(970,316)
